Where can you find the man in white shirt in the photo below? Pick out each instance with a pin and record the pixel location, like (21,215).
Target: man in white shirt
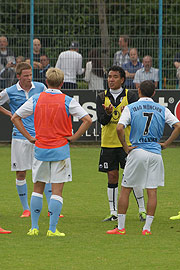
(146,73)
(70,62)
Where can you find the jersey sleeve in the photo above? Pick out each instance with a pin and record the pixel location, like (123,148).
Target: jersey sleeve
(125,118)
(4,97)
(26,109)
(75,109)
(170,119)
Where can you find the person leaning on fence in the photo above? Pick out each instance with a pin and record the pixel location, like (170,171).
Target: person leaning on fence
(144,166)
(70,62)
(9,72)
(147,72)
(36,59)
(94,73)
(7,60)
(131,67)
(110,105)
(122,57)
(52,154)
(177,66)
(44,60)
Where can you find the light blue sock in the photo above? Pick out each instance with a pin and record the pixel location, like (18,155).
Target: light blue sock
(36,207)
(48,192)
(55,207)
(22,192)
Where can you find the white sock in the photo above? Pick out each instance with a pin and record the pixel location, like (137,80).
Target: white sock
(149,220)
(121,221)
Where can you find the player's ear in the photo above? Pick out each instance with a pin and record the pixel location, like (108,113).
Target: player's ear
(139,92)
(153,93)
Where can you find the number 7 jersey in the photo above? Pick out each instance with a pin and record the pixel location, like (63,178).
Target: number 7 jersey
(147,119)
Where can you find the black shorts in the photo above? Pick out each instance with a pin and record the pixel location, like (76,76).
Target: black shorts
(110,158)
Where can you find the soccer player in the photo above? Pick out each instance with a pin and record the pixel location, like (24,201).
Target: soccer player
(52,117)
(110,104)
(21,148)
(144,167)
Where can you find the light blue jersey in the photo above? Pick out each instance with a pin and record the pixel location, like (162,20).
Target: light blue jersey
(149,117)
(18,97)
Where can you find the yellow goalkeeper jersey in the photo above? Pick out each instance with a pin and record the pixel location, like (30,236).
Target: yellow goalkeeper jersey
(109,137)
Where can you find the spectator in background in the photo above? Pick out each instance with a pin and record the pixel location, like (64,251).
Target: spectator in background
(70,62)
(178,76)
(177,60)
(44,60)
(146,73)
(94,74)
(131,67)
(6,58)
(8,73)
(122,57)
(177,66)
(36,59)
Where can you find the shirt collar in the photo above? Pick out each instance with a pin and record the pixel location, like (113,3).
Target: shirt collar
(117,91)
(54,91)
(143,69)
(146,99)
(19,88)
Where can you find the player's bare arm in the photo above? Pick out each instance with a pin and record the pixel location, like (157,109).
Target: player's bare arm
(6,112)
(121,135)
(173,136)
(16,119)
(86,123)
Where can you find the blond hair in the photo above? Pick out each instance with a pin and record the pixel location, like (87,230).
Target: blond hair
(22,66)
(55,77)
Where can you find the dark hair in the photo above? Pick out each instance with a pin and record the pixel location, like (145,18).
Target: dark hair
(147,88)
(120,70)
(94,57)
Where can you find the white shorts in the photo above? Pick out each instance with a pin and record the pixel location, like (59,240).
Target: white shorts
(22,155)
(143,169)
(52,171)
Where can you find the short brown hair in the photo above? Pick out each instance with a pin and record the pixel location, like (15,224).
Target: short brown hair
(21,66)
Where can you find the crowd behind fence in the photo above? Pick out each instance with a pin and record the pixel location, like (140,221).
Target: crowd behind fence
(95,24)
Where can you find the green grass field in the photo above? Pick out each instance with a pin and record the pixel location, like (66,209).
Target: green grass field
(86,245)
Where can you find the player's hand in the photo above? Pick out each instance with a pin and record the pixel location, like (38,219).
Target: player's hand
(70,139)
(108,109)
(129,149)
(32,140)
(163,146)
